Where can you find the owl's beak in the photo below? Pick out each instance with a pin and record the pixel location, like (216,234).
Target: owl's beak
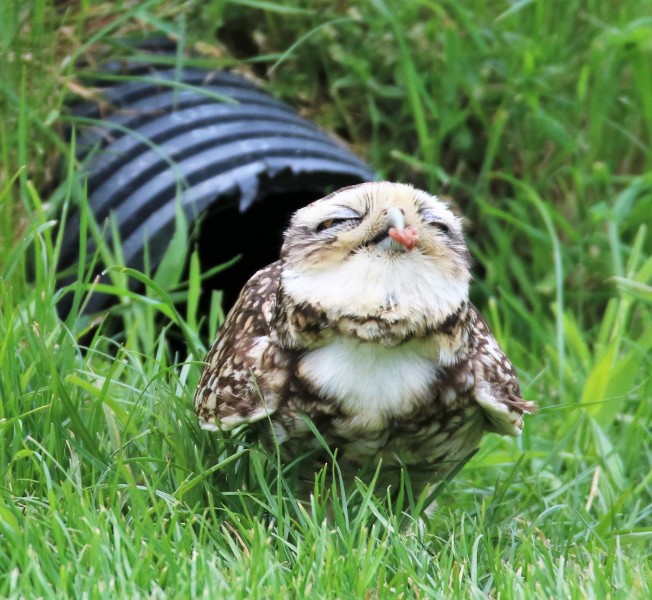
(400,236)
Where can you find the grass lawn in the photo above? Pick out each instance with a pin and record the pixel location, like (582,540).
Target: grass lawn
(535,116)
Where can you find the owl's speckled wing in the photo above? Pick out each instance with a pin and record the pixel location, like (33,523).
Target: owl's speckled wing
(496,389)
(227,395)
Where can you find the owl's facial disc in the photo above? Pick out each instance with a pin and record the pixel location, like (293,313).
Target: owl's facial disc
(377,225)
(377,250)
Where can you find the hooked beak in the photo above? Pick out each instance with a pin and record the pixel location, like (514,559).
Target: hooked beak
(399,237)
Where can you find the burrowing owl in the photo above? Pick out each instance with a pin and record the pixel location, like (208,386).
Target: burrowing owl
(364,325)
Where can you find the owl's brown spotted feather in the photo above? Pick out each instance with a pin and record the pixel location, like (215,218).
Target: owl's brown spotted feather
(227,393)
(371,338)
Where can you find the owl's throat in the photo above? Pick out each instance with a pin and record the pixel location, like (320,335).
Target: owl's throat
(307,325)
(382,302)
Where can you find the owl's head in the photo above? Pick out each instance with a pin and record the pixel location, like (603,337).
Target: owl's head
(382,250)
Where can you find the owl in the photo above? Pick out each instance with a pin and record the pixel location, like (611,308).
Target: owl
(363,331)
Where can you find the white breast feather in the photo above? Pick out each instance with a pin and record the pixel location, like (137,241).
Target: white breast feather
(369,381)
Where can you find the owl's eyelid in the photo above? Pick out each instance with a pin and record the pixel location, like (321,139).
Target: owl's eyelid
(344,212)
(435,221)
(443,227)
(334,222)
(337,217)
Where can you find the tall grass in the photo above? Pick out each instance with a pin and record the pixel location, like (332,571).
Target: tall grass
(535,117)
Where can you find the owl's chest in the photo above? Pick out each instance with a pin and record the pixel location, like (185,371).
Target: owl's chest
(369,383)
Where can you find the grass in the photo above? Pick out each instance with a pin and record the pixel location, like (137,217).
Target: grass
(536,117)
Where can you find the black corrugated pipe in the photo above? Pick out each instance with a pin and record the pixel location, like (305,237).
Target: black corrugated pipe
(213,141)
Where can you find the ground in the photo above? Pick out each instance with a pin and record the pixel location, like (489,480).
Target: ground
(535,117)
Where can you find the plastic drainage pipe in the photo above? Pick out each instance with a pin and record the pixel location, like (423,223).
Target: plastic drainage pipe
(197,139)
